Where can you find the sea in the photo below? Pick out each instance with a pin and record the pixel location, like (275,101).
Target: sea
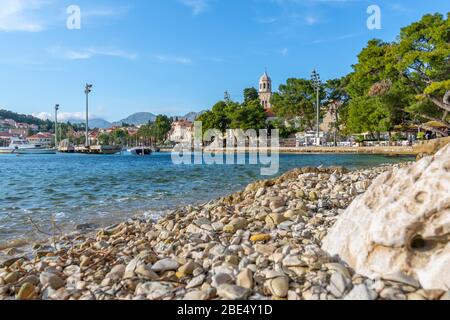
(69,192)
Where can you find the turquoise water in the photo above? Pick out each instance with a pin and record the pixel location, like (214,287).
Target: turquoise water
(78,189)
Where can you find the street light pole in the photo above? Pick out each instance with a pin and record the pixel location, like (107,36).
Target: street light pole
(56,125)
(87,90)
(318,115)
(317,85)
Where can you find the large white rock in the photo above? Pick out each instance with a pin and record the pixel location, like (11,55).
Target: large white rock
(400,228)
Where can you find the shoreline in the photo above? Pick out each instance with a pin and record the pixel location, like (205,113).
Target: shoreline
(263,242)
(22,231)
(385,151)
(423,148)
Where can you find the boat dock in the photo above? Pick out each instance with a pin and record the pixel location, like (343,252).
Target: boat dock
(91,149)
(98,149)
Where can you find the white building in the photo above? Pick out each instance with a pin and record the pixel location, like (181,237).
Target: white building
(181,131)
(308,138)
(9,122)
(42,139)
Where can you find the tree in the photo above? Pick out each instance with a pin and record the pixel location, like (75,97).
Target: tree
(285,131)
(409,75)
(423,63)
(218,117)
(119,136)
(373,66)
(368,114)
(157,131)
(104,139)
(376,92)
(247,116)
(337,100)
(336,91)
(145,133)
(423,57)
(232,115)
(161,127)
(296,100)
(250,94)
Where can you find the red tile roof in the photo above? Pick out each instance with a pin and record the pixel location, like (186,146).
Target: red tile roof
(183,123)
(45,135)
(269,113)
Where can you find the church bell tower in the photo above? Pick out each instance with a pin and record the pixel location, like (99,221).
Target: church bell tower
(265,90)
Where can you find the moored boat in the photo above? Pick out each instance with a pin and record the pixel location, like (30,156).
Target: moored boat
(139,151)
(98,149)
(22,146)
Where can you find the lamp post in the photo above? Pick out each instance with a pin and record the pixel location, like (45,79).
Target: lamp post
(87,90)
(317,84)
(56,125)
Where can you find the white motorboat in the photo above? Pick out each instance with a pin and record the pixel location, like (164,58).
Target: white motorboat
(22,146)
(138,151)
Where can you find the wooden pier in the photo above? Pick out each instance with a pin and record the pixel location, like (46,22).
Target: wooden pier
(98,149)
(91,149)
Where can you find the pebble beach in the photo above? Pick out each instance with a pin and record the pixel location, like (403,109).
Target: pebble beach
(262,243)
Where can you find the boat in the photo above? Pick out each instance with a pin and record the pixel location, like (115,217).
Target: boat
(139,151)
(22,146)
(98,149)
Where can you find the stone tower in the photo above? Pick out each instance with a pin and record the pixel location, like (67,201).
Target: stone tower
(265,90)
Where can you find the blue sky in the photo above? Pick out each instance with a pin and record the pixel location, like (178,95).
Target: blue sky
(177,56)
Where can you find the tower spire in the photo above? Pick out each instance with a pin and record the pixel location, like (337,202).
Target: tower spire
(265,90)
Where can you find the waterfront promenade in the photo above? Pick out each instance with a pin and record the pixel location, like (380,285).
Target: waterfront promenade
(424,147)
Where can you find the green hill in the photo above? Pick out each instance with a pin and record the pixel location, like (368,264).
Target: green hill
(23,118)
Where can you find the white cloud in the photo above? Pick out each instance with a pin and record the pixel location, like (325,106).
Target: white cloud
(65,116)
(310,20)
(43,115)
(104,12)
(90,53)
(197,6)
(338,38)
(77,55)
(174,59)
(113,53)
(28,16)
(20,15)
(267,20)
(397,7)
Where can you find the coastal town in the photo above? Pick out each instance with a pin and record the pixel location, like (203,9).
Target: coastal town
(177,130)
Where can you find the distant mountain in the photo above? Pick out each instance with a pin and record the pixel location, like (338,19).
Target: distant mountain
(191,116)
(137,119)
(93,123)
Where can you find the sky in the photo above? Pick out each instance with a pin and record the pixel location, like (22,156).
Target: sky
(178,56)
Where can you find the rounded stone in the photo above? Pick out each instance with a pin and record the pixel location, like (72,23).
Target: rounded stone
(232,292)
(27,292)
(279,286)
(52,280)
(260,237)
(245,279)
(165,265)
